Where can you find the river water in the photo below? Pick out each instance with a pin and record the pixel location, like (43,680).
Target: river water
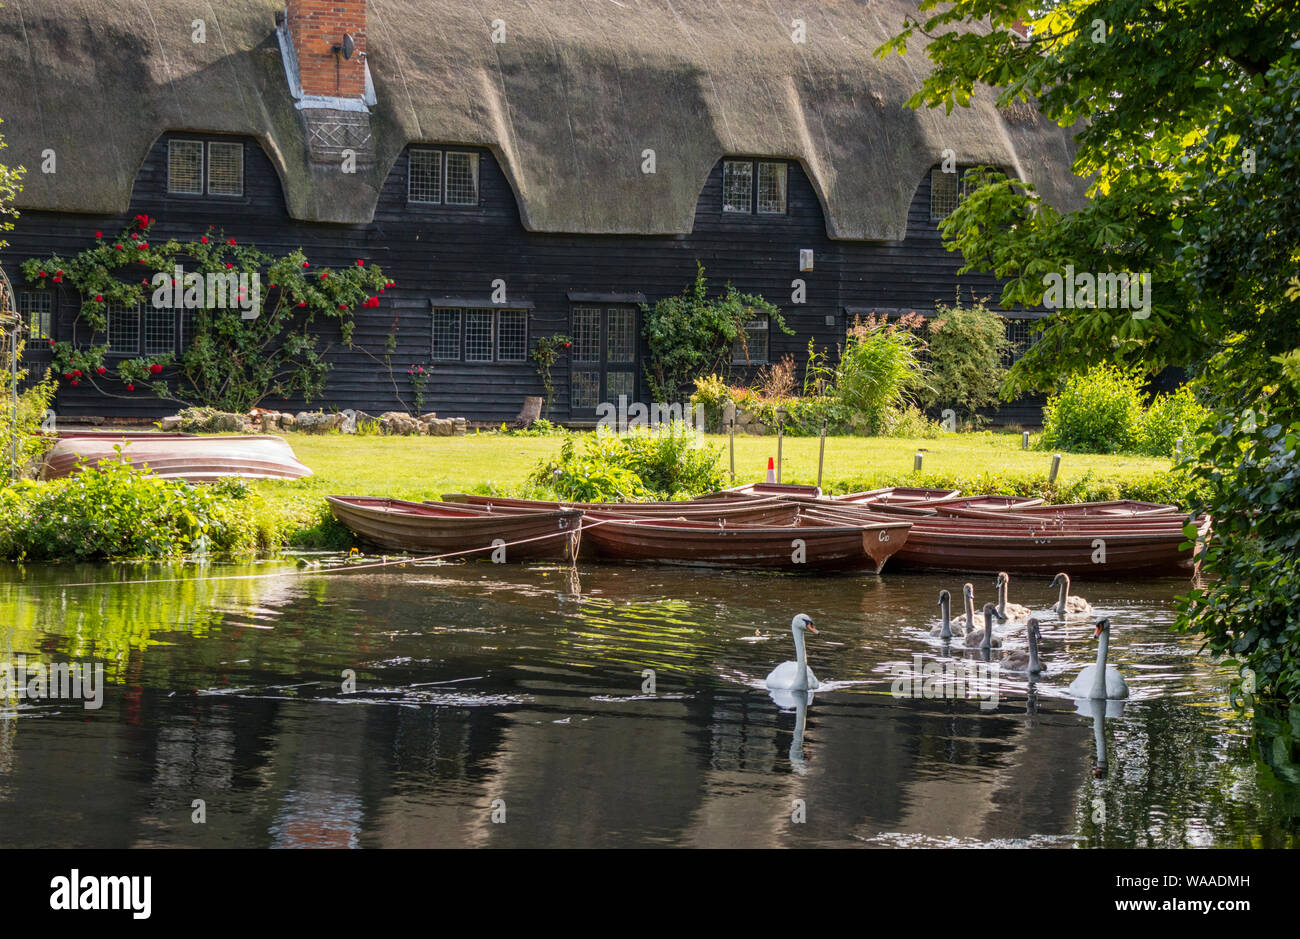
(498,705)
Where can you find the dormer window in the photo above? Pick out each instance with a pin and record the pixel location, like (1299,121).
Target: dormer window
(197,168)
(442,177)
(945,193)
(750,186)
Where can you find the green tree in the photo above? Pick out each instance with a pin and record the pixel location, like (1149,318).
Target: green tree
(1187,120)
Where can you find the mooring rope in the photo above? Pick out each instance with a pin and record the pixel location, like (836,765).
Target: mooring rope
(573,533)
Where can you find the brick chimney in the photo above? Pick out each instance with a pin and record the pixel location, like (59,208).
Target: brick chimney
(317,29)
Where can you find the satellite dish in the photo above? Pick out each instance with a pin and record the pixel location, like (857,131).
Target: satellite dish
(349,44)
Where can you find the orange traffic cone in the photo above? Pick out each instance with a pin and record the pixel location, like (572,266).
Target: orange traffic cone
(771,470)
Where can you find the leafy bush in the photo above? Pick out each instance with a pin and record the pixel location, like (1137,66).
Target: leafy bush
(112,511)
(879,370)
(32,405)
(1099,411)
(669,463)
(691,335)
(1248,609)
(966,345)
(1171,416)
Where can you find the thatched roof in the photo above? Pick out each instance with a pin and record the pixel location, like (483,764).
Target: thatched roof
(568,103)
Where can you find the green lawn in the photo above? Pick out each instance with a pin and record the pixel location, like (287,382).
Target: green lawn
(426,467)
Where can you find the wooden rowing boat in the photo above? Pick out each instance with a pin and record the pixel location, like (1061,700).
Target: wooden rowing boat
(771,510)
(170,456)
(438,528)
(812,544)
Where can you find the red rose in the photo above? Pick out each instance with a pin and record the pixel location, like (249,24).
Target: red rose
(343,306)
(99,298)
(229,265)
(118,247)
(41,274)
(204,239)
(231,241)
(381,289)
(101,370)
(143,246)
(566,345)
(305,264)
(75,382)
(76,373)
(360,263)
(130,387)
(155,369)
(60,273)
(302,303)
(272,287)
(58,280)
(99,234)
(67,374)
(324,274)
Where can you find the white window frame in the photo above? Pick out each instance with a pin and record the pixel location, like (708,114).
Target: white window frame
(785,187)
(437,157)
(173,147)
(762,324)
(446,177)
(237,145)
(727,207)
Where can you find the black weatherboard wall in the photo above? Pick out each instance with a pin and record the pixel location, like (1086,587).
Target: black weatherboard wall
(451,255)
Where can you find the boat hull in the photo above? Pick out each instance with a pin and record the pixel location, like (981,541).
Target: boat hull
(432,529)
(193,459)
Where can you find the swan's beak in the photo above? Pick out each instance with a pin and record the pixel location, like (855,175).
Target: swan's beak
(1097,634)
(812,629)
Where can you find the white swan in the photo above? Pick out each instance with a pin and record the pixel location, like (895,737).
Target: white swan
(1100,681)
(796,675)
(1027,662)
(984,638)
(1066,603)
(944,629)
(1006,611)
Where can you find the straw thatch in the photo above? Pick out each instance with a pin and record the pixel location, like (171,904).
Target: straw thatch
(568,103)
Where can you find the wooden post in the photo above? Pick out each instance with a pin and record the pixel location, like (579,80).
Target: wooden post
(729,415)
(780,426)
(916,461)
(1056,467)
(821,455)
(1024,440)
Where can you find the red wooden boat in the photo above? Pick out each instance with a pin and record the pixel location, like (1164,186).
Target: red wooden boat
(438,528)
(170,456)
(994,542)
(812,544)
(773,511)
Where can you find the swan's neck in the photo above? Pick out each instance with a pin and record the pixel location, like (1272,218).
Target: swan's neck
(1002,597)
(1099,735)
(800,657)
(1033,652)
(1060,603)
(945,632)
(1099,680)
(970,613)
(988,632)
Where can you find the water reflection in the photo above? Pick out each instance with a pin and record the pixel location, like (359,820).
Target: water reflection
(483,690)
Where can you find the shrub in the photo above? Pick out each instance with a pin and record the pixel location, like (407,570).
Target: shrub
(691,335)
(1096,412)
(879,370)
(1171,416)
(966,345)
(668,463)
(112,511)
(713,394)
(32,405)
